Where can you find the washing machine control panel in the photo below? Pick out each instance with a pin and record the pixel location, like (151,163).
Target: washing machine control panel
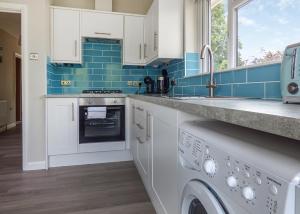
(252,188)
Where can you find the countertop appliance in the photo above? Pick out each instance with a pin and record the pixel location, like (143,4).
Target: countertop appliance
(149,85)
(102,120)
(290,74)
(225,169)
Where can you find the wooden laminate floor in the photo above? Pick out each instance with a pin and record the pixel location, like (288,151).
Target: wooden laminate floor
(113,188)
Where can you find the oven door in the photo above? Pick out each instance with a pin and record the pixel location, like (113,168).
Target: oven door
(99,124)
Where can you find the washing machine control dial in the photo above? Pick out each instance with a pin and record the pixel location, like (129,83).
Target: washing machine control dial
(232,182)
(210,166)
(248,193)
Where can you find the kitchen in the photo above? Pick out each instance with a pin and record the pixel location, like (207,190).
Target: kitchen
(173,96)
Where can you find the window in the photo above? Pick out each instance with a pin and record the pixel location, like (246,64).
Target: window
(264,29)
(250,32)
(219,33)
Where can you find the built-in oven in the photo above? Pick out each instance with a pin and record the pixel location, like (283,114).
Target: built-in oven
(101,120)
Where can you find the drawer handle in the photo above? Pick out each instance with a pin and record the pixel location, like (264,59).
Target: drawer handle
(73,110)
(99,33)
(148,126)
(139,140)
(140,126)
(140,51)
(140,109)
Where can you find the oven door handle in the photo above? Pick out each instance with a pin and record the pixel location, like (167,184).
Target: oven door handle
(73,112)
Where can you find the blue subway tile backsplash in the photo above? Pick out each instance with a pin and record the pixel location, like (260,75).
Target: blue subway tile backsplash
(101,69)
(258,82)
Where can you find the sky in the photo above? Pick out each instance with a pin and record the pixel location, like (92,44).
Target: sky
(268,24)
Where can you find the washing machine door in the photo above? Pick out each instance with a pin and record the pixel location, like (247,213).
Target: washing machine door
(199,199)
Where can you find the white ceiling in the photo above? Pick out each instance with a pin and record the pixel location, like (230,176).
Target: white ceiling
(11,23)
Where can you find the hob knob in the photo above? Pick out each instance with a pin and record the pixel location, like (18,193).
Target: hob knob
(248,193)
(210,167)
(232,182)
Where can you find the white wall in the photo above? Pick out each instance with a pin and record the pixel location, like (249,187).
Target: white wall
(38,42)
(84,4)
(132,6)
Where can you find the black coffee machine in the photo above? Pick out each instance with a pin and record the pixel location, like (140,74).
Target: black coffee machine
(149,85)
(163,83)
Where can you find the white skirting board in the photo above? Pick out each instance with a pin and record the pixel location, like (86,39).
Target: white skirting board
(89,158)
(39,165)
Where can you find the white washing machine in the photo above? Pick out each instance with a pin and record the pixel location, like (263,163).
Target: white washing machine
(226,169)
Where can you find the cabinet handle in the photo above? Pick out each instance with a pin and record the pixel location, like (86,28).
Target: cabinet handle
(145,51)
(139,140)
(140,51)
(140,126)
(140,109)
(148,136)
(133,114)
(75,48)
(155,41)
(99,33)
(73,112)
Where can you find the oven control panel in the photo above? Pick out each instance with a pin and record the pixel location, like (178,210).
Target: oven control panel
(252,188)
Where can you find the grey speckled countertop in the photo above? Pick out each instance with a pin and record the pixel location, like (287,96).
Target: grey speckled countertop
(84,95)
(268,116)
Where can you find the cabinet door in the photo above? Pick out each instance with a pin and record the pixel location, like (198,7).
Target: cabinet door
(133,45)
(151,32)
(132,132)
(164,162)
(102,25)
(66,47)
(62,119)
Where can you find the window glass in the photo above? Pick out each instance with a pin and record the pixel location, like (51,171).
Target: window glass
(219,33)
(265,28)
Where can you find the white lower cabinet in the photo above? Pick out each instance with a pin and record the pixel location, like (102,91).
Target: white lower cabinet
(62,126)
(155,146)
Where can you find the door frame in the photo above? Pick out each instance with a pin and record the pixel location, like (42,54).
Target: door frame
(22,9)
(18,57)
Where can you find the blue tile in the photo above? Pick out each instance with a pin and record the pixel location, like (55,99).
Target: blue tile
(239,76)
(227,77)
(111,78)
(255,90)
(102,47)
(192,65)
(223,90)
(102,84)
(265,73)
(112,53)
(188,91)
(201,91)
(192,56)
(273,90)
(101,59)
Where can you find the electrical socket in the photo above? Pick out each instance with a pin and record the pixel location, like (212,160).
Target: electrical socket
(136,83)
(129,83)
(65,82)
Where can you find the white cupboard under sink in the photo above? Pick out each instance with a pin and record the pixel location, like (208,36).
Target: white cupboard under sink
(101,25)
(65,36)
(62,126)
(133,43)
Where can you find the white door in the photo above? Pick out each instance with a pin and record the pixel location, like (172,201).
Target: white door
(164,164)
(65,36)
(197,198)
(101,25)
(62,120)
(133,45)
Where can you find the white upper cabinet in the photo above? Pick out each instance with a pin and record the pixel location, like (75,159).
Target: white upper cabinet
(164,30)
(65,36)
(101,25)
(133,44)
